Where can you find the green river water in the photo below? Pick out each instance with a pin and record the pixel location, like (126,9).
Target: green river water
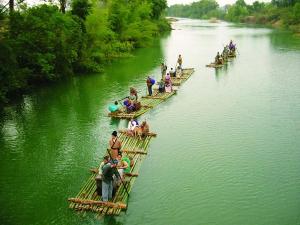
(228,144)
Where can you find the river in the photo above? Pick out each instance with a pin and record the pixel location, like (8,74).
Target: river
(227,150)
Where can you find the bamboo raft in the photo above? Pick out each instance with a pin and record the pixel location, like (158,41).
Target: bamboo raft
(149,102)
(213,65)
(186,73)
(88,200)
(232,55)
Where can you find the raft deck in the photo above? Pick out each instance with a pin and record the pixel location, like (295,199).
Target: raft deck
(231,55)
(186,73)
(149,102)
(213,65)
(88,199)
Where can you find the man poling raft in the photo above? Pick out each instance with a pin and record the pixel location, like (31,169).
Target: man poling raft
(108,189)
(150,82)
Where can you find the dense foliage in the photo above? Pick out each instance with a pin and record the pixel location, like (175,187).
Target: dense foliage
(200,10)
(46,43)
(280,13)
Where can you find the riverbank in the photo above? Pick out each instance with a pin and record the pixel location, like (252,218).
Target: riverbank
(277,24)
(43,44)
(283,14)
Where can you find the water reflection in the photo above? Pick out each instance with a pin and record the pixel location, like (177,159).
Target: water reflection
(111,220)
(284,40)
(220,72)
(56,131)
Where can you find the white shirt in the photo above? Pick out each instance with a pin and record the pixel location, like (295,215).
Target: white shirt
(132,125)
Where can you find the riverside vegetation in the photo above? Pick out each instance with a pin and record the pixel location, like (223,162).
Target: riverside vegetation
(47,42)
(278,13)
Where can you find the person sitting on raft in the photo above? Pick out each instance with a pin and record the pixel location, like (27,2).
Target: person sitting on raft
(133,94)
(225,53)
(129,105)
(172,72)
(114,145)
(218,60)
(168,83)
(222,59)
(142,130)
(161,86)
(114,108)
(131,126)
(121,166)
(178,72)
(132,106)
(129,162)
(145,128)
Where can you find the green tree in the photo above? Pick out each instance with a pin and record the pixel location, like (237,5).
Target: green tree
(158,6)
(81,8)
(45,41)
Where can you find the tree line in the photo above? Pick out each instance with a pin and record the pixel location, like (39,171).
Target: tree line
(280,13)
(51,41)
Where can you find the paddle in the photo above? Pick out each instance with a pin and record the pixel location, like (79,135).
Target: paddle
(122,99)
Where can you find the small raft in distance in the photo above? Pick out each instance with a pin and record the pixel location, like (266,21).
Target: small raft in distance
(232,55)
(214,65)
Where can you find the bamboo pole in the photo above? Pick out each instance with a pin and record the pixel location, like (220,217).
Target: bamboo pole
(101,203)
(136,152)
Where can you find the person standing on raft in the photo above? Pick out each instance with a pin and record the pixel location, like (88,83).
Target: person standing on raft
(149,85)
(163,69)
(108,170)
(179,61)
(131,126)
(114,145)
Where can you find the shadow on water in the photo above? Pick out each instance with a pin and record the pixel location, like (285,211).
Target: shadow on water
(111,220)
(221,72)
